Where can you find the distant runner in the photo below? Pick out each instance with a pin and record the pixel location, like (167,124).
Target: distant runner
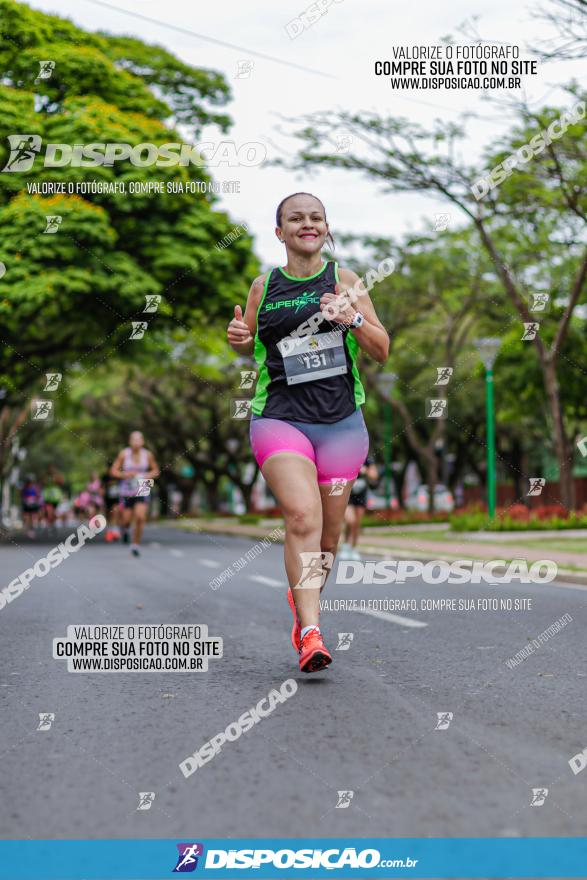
(135,466)
(89,502)
(31,500)
(111,490)
(368,476)
(52,497)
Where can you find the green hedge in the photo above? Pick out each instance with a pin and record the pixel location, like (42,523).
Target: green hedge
(477,522)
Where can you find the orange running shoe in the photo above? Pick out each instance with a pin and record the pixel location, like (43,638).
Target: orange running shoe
(297,627)
(314,654)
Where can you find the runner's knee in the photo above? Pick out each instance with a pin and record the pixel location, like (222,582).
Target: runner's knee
(329,542)
(303,520)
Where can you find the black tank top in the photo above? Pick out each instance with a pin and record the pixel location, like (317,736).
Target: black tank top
(318,380)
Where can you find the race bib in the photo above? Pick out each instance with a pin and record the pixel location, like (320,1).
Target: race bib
(129,487)
(313,357)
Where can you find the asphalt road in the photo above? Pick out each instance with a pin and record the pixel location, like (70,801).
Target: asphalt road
(366,725)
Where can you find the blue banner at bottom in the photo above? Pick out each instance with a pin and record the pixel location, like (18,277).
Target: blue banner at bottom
(553,857)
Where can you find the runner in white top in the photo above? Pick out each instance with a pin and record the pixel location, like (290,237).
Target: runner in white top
(136,467)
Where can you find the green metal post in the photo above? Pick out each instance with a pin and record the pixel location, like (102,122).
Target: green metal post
(387,453)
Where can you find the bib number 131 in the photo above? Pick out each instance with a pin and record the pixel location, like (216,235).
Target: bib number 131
(313,357)
(314,361)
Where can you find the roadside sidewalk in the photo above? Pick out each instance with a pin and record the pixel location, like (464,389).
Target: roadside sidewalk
(572,564)
(572,567)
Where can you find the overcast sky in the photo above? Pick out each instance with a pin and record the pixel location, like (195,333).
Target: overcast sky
(344,43)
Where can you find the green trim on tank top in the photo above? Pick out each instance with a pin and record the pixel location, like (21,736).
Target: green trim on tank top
(260,355)
(306,277)
(352,347)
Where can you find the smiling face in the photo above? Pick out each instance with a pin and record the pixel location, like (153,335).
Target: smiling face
(303,225)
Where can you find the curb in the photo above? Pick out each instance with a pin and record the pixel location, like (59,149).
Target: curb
(565,576)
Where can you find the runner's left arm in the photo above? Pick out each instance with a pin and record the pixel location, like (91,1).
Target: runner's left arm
(153,471)
(372,335)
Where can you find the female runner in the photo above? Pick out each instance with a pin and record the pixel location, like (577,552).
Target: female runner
(307,429)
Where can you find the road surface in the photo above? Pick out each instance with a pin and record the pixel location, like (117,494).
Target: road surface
(367,725)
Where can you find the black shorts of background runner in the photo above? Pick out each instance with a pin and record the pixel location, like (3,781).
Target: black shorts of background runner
(134,499)
(358,499)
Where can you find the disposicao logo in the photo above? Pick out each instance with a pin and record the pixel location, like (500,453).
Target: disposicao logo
(24,149)
(293,858)
(187,859)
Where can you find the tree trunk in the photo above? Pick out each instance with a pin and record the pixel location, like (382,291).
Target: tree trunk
(247,492)
(515,460)
(561,442)
(212,500)
(187,490)
(399,481)
(425,454)
(431,478)
(163,499)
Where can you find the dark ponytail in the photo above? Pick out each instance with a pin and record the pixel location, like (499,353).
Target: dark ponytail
(279,212)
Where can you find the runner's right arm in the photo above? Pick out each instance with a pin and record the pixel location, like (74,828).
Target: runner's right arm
(241,330)
(115,470)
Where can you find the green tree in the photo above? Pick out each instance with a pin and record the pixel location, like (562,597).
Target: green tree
(68,299)
(134,76)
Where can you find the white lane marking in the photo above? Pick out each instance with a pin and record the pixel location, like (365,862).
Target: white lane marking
(175,552)
(391,618)
(270,582)
(209,563)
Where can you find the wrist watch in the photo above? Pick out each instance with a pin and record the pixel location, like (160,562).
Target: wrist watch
(357,321)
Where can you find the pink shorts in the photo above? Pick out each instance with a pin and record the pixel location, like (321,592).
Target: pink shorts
(338,450)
